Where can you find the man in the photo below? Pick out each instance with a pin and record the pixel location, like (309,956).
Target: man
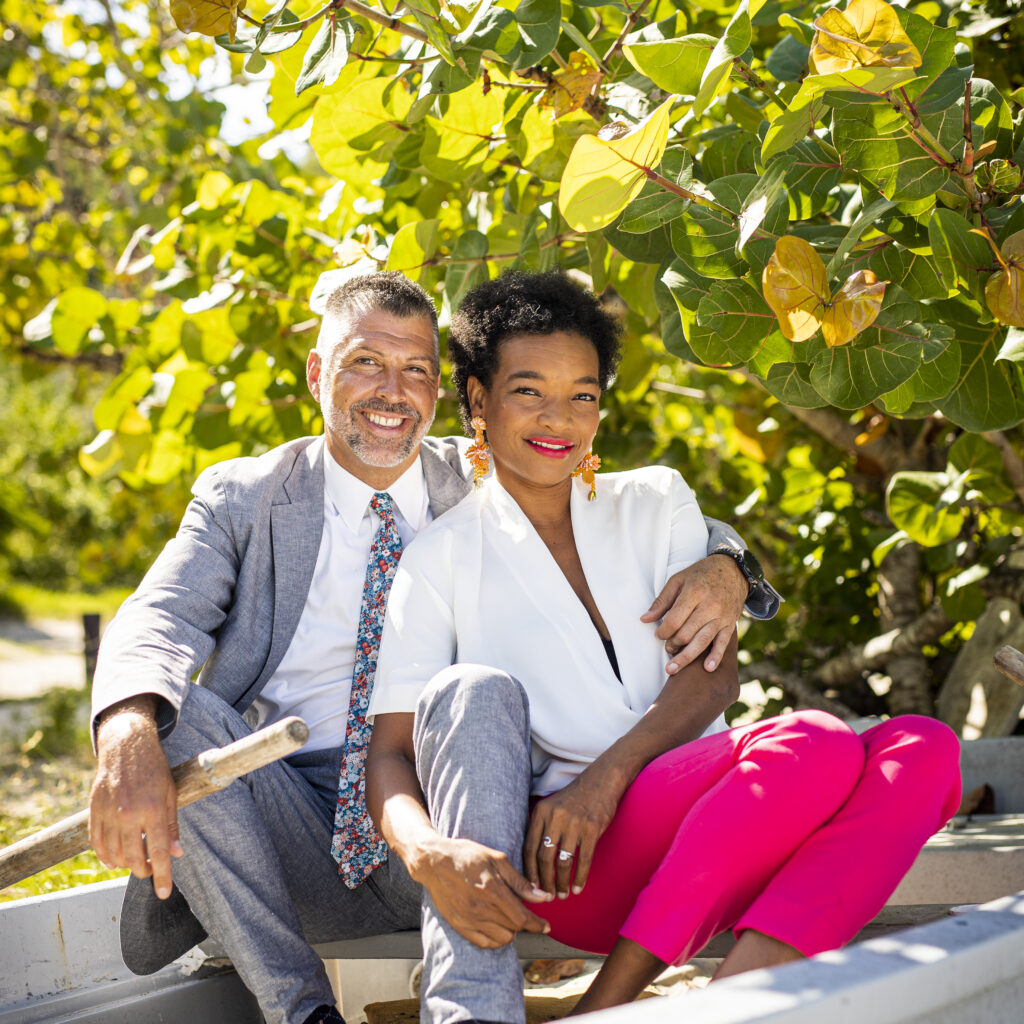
(270,586)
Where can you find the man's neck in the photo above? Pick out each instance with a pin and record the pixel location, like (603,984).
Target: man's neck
(380,478)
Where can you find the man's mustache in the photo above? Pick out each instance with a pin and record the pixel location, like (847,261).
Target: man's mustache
(387,409)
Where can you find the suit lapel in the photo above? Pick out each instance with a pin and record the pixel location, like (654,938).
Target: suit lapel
(296,528)
(446,486)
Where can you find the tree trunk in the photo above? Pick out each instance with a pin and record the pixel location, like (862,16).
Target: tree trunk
(899,601)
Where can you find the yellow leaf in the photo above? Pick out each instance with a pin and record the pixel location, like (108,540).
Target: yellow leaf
(603,175)
(867,34)
(853,309)
(213,186)
(208,17)
(1004,292)
(568,90)
(795,285)
(1004,295)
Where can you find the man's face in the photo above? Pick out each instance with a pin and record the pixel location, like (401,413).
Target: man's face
(377,388)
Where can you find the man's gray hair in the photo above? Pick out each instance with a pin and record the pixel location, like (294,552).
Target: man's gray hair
(385,291)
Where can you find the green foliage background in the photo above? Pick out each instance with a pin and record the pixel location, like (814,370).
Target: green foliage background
(881,480)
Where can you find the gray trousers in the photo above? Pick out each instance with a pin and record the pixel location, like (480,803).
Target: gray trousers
(472,740)
(258,871)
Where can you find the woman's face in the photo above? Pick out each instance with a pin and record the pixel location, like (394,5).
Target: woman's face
(542,407)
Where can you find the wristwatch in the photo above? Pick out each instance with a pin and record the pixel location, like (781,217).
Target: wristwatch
(763,599)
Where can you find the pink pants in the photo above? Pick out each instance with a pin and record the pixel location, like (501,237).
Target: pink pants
(794,826)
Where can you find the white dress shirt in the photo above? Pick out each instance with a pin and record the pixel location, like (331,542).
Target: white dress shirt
(314,678)
(479,586)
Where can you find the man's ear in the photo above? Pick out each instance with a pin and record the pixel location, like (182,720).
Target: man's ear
(475,392)
(313,368)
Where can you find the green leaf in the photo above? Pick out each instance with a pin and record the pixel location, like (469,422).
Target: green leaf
(810,180)
(934,43)
(675,65)
(672,334)
(539,22)
(327,53)
(604,174)
(655,205)
(428,14)
(355,120)
(790,383)
(728,151)
(733,324)
(788,60)
(76,313)
(413,245)
(873,141)
(852,237)
(803,112)
(917,275)
(987,395)
(981,464)
(767,192)
(466,267)
(718,69)
(926,506)
(931,381)
(960,256)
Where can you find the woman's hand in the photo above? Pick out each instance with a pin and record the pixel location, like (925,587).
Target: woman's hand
(568,823)
(479,893)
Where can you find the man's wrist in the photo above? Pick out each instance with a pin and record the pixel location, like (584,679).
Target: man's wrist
(141,707)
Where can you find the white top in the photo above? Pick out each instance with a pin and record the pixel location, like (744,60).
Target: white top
(314,679)
(480,587)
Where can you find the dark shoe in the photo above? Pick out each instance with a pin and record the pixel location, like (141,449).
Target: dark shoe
(325,1015)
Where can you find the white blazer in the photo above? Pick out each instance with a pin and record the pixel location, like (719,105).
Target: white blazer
(479,586)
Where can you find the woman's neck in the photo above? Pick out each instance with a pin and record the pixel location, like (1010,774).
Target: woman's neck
(547,507)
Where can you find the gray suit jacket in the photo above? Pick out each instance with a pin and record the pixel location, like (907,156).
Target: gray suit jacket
(225,596)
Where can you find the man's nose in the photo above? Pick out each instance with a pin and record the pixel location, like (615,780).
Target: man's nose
(389,385)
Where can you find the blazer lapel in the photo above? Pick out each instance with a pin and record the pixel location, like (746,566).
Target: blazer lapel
(446,486)
(296,527)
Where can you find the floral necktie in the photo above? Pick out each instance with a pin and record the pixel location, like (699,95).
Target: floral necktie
(358,847)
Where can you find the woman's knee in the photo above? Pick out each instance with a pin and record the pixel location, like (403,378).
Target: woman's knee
(918,744)
(822,743)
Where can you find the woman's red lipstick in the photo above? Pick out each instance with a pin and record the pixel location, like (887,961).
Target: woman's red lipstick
(551,447)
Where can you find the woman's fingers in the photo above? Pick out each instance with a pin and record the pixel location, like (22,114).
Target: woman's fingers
(563,869)
(584,858)
(546,858)
(531,845)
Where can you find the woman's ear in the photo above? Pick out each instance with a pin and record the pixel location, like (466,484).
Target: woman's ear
(475,392)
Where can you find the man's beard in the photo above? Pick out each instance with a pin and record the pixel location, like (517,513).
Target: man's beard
(381,453)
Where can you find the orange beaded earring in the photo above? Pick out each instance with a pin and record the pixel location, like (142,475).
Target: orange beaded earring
(479,452)
(587,467)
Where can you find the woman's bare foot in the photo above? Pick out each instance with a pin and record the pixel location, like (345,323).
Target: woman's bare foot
(628,970)
(754,950)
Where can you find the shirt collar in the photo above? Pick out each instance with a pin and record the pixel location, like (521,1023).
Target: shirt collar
(350,497)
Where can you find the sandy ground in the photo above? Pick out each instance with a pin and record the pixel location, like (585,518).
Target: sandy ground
(38,655)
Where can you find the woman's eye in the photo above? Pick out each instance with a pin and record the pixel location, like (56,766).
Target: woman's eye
(526,391)
(586,396)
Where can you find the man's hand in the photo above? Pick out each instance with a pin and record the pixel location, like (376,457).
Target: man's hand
(479,893)
(699,608)
(570,821)
(133,807)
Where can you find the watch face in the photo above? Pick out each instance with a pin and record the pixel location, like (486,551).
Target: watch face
(753,566)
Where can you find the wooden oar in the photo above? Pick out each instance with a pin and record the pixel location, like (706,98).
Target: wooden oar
(210,771)
(1010,662)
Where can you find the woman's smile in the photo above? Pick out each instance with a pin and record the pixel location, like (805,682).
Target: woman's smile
(551,447)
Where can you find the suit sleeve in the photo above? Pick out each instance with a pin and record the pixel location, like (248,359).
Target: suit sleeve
(165,631)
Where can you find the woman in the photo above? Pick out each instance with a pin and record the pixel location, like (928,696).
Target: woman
(654,825)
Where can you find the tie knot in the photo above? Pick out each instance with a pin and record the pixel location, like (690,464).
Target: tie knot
(381,504)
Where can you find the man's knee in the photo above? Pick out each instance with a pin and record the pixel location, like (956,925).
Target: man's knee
(204,721)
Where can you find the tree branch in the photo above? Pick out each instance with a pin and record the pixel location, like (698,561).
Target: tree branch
(805,695)
(385,20)
(634,17)
(885,450)
(846,667)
